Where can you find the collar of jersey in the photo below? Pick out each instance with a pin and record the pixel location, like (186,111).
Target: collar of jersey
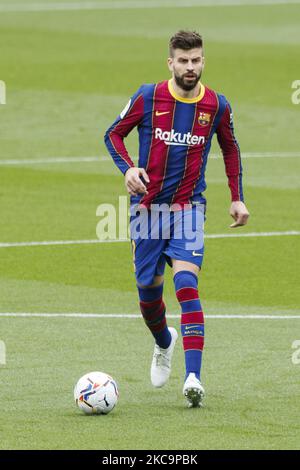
(186,100)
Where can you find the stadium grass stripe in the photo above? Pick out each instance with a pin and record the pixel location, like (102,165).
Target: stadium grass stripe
(135,4)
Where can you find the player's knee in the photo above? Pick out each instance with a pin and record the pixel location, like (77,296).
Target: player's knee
(158,280)
(179,265)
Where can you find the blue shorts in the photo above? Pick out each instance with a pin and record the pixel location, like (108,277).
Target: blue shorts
(159,236)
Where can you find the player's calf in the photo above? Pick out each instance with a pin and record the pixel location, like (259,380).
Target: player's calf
(154,313)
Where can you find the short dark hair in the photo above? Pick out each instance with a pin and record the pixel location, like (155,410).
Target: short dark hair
(185,40)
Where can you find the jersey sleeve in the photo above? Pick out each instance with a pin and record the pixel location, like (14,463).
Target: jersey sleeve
(231,154)
(129,118)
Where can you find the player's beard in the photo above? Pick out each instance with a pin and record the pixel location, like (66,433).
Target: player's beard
(187,85)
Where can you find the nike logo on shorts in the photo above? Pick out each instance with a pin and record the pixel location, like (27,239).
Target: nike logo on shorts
(196,254)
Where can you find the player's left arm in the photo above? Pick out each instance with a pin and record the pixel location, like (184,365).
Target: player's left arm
(233,167)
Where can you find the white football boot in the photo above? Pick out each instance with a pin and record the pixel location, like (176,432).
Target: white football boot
(193,391)
(161,362)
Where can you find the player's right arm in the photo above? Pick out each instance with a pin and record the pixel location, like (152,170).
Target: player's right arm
(130,117)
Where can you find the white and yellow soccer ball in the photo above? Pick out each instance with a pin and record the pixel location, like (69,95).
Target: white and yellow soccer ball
(96,393)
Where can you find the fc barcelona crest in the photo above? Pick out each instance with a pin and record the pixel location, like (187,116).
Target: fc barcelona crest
(204,119)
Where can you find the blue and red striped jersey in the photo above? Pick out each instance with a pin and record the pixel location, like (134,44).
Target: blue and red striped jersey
(175,137)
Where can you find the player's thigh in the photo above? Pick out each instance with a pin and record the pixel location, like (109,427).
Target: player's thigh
(149,261)
(186,246)
(147,247)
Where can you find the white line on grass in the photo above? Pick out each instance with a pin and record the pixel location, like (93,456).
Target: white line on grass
(138,316)
(252,234)
(87,242)
(266,155)
(133,4)
(41,161)
(103,158)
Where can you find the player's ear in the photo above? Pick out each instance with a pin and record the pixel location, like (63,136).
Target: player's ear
(170,64)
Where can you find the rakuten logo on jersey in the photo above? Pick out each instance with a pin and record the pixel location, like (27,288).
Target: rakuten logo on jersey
(177,138)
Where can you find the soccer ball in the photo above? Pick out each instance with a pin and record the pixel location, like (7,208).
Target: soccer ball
(96,393)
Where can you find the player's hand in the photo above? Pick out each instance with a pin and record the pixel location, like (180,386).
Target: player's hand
(133,182)
(239,213)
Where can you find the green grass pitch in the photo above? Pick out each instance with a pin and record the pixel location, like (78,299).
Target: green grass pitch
(68,74)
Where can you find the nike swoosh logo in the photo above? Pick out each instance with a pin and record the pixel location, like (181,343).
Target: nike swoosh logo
(161,113)
(196,254)
(189,327)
